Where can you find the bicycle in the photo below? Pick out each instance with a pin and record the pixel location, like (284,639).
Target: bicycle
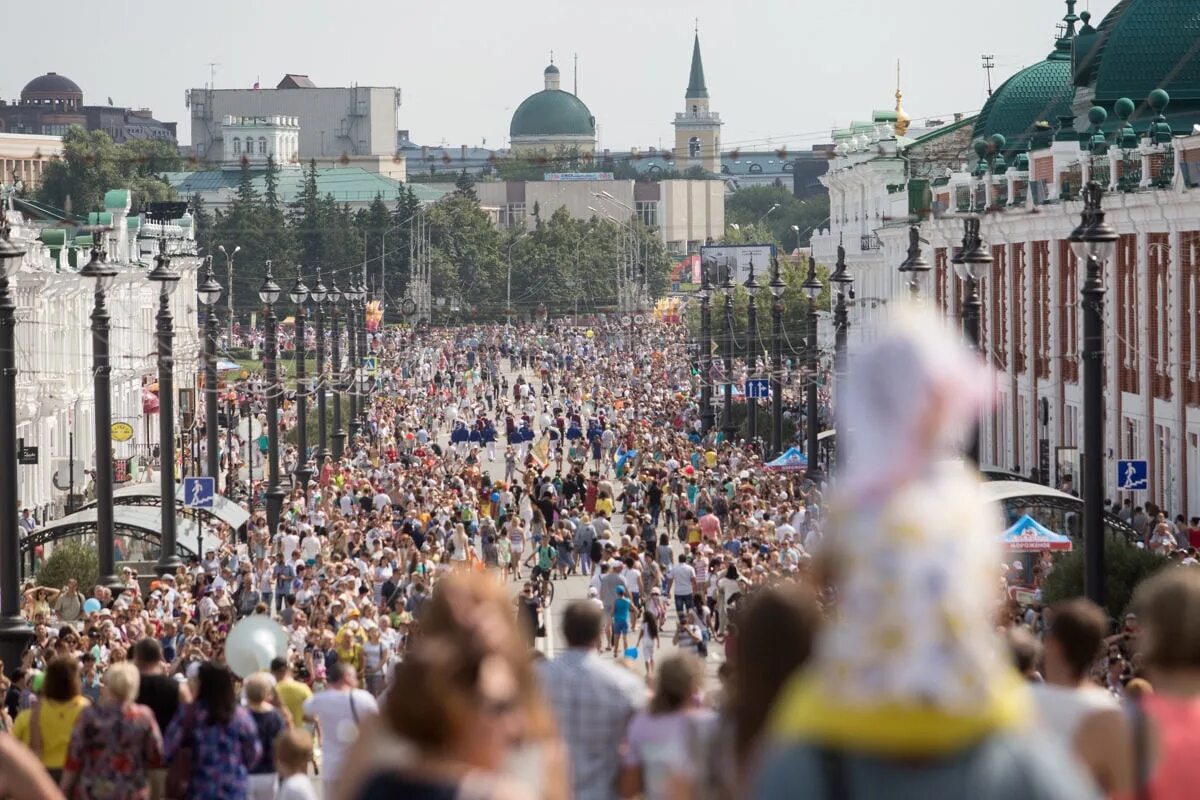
(543,587)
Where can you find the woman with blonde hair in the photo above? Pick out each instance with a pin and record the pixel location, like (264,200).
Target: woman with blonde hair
(115,743)
(472,607)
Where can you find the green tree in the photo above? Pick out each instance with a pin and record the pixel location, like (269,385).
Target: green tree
(71,559)
(242,225)
(752,206)
(87,169)
(91,164)
(1125,567)
(464,186)
(372,223)
(306,222)
(467,264)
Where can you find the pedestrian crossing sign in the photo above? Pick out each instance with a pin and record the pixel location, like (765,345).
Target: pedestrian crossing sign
(1133,475)
(371,365)
(198,491)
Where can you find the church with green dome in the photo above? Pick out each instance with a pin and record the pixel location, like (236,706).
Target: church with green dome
(552,120)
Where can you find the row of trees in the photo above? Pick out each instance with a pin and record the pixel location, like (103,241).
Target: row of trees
(561,262)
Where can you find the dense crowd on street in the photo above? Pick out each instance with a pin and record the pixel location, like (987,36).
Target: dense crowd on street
(858,627)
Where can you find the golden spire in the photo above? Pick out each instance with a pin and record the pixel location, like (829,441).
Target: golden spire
(902,119)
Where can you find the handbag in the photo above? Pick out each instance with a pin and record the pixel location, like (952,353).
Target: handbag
(179,771)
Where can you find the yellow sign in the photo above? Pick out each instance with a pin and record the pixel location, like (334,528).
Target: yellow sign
(122,431)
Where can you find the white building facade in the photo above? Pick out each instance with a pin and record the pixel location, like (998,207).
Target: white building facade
(55,401)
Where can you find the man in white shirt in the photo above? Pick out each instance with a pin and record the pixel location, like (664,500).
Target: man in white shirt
(338,710)
(1081,716)
(683,580)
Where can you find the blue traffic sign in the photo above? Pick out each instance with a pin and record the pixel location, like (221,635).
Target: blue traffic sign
(758,388)
(198,491)
(1133,475)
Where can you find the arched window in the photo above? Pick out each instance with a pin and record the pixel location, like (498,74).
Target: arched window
(755,168)
(237,145)
(695,109)
(693,147)
(654,169)
(789,166)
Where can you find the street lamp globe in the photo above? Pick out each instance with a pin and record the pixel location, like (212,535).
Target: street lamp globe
(269,291)
(777,285)
(335,294)
(299,292)
(752,285)
(209,291)
(10,253)
(100,270)
(812,284)
(162,274)
(318,292)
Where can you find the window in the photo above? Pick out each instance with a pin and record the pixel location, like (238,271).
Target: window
(237,145)
(694,147)
(755,168)
(513,215)
(262,145)
(695,109)
(789,166)
(647,212)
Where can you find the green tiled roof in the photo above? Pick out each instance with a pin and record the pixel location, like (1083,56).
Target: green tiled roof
(346,184)
(1148,45)
(1041,92)
(696,85)
(552,112)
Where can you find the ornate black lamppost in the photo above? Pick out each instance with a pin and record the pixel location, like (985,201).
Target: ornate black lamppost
(752,286)
(914,266)
(972,264)
(1093,242)
(777,289)
(319,294)
(15,632)
(812,289)
(350,373)
(209,292)
(707,415)
(167,280)
(727,425)
(104,274)
(299,296)
(335,369)
(843,283)
(269,293)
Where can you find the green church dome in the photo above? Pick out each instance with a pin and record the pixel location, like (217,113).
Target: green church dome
(1039,93)
(1146,45)
(552,112)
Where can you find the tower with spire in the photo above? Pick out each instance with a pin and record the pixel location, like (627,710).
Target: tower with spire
(697,129)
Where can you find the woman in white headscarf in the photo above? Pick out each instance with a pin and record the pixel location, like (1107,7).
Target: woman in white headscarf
(908,694)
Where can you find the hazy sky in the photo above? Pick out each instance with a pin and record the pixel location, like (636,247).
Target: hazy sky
(780,73)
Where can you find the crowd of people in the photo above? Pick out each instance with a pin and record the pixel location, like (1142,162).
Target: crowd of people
(724,629)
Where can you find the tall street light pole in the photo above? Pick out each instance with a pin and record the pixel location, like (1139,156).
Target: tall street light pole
(15,632)
(843,282)
(777,289)
(167,280)
(319,294)
(752,287)
(1094,241)
(972,264)
(350,376)
(269,293)
(508,290)
(914,266)
(812,289)
(299,296)
(209,292)
(707,416)
(727,425)
(335,368)
(104,274)
(364,350)
(229,287)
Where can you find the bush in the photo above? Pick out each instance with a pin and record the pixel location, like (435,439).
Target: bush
(1124,566)
(71,560)
(239,353)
